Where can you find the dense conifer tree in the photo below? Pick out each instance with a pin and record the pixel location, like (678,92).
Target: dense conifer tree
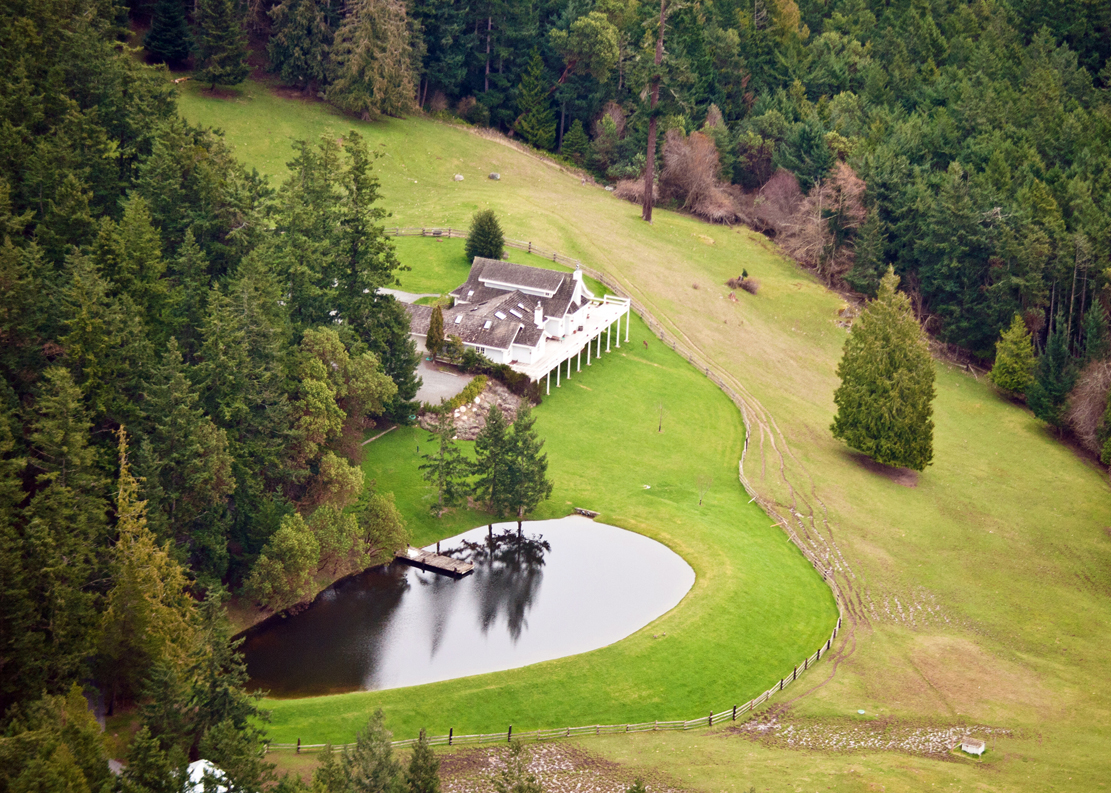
(168,40)
(485,237)
(536,122)
(372,61)
(576,145)
(492,450)
(424,768)
(1013,370)
(445,468)
(370,765)
(148,615)
(1054,378)
(435,338)
(301,34)
(221,43)
(527,483)
(887,383)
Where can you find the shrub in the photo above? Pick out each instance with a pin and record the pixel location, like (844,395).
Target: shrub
(485,237)
(745,282)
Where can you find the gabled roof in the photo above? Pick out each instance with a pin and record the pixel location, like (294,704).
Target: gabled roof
(486,271)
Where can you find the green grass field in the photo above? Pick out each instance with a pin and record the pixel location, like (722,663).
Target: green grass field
(980,595)
(756,609)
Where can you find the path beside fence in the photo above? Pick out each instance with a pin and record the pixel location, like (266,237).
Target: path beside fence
(696,358)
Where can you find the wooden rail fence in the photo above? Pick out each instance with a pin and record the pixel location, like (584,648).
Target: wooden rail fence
(697,359)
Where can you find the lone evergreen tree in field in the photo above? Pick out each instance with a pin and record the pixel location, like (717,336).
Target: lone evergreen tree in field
(576,145)
(527,481)
(370,765)
(1054,379)
(424,768)
(435,339)
(485,237)
(887,383)
(515,776)
(168,40)
(221,43)
(536,124)
(445,468)
(1013,371)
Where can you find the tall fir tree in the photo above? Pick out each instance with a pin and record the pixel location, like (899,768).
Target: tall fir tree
(527,483)
(492,450)
(536,122)
(1013,370)
(884,402)
(221,43)
(148,614)
(372,60)
(168,40)
(66,524)
(576,145)
(1097,342)
(868,266)
(370,765)
(301,33)
(444,468)
(435,338)
(1054,379)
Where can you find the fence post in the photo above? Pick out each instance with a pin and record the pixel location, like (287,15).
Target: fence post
(734,713)
(509,735)
(710,721)
(781,684)
(530,247)
(298,746)
(450,735)
(795,674)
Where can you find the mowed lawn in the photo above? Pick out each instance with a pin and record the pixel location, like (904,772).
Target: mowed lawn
(984,592)
(756,609)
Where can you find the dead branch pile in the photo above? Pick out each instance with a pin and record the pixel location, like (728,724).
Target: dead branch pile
(633,190)
(772,206)
(690,174)
(749,284)
(819,232)
(1087,403)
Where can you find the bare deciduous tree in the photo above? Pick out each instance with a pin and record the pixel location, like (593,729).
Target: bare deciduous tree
(819,234)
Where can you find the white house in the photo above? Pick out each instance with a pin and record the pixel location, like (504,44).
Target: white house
(528,317)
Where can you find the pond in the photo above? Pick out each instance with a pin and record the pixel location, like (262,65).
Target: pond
(557,588)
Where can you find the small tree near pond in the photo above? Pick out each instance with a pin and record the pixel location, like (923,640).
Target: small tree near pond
(445,468)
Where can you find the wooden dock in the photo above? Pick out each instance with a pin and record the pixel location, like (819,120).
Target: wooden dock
(427,560)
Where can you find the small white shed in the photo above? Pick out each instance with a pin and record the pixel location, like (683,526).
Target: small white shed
(972,745)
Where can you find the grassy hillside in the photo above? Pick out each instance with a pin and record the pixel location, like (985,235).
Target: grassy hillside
(981,595)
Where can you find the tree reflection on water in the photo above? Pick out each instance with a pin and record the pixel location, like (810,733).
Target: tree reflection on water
(509,568)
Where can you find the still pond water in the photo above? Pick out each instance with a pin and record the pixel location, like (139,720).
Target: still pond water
(559,588)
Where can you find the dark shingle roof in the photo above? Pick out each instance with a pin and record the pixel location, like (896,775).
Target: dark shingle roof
(518,275)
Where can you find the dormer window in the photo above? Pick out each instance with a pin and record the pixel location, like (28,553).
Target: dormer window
(499,315)
(487,325)
(458,319)
(470,292)
(516,313)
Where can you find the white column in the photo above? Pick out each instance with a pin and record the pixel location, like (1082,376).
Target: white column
(618,331)
(589,342)
(559,368)
(568,368)
(609,329)
(599,353)
(549,382)
(579,360)
(630,308)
